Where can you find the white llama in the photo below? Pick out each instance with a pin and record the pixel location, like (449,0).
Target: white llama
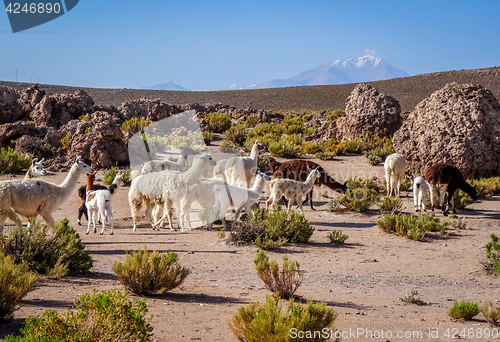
(239,171)
(395,167)
(36,169)
(30,198)
(165,189)
(421,190)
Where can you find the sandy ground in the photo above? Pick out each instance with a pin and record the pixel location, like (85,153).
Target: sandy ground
(361,280)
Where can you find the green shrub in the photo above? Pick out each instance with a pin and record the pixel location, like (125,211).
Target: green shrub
(491,313)
(337,113)
(66,141)
(358,182)
(405,185)
(135,124)
(336,236)
(464,310)
(156,143)
(252,120)
(106,316)
(310,147)
(359,199)
(11,161)
(218,122)
(110,174)
(208,136)
(271,229)
(282,282)
(84,118)
(153,273)
(412,227)
(486,186)
(264,322)
(53,255)
(325,155)
(492,252)
(15,283)
(235,134)
(390,205)
(287,146)
(412,297)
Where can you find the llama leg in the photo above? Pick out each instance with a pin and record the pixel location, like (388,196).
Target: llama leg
(289,206)
(110,217)
(388,184)
(88,222)
(416,198)
(299,202)
(310,197)
(398,184)
(82,211)
(433,195)
(102,213)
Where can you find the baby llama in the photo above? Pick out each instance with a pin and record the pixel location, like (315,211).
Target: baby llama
(291,189)
(420,191)
(227,196)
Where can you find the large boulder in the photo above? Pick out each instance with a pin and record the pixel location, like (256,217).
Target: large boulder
(59,109)
(368,110)
(458,124)
(103,146)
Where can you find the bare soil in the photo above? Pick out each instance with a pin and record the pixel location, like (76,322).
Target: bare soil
(362,280)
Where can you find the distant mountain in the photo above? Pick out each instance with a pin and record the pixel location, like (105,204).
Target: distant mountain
(236,87)
(166,86)
(354,70)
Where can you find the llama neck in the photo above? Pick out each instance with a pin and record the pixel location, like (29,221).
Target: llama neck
(259,184)
(311,179)
(465,187)
(254,154)
(69,183)
(30,173)
(90,182)
(194,173)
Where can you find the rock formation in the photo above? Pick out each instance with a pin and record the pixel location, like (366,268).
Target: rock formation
(458,124)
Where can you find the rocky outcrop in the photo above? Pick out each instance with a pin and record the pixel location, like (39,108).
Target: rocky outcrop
(458,124)
(10,109)
(14,131)
(103,146)
(57,110)
(369,110)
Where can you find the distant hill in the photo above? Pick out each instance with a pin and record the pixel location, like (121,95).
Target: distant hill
(355,70)
(409,91)
(166,86)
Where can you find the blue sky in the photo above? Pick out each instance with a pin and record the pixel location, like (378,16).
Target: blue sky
(210,45)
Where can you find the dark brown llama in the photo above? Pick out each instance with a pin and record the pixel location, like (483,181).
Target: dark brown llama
(448,178)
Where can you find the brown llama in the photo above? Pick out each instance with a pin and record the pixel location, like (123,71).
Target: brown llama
(448,178)
(298,169)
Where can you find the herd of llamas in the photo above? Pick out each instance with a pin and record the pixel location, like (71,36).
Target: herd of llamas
(162,186)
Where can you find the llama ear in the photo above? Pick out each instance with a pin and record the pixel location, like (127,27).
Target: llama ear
(95,172)
(34,161)
(78,159)
(41,161)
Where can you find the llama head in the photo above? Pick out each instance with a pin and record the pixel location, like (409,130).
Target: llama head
(263,176)
(82,167)
(260,147)
(119,177)
(38,168)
